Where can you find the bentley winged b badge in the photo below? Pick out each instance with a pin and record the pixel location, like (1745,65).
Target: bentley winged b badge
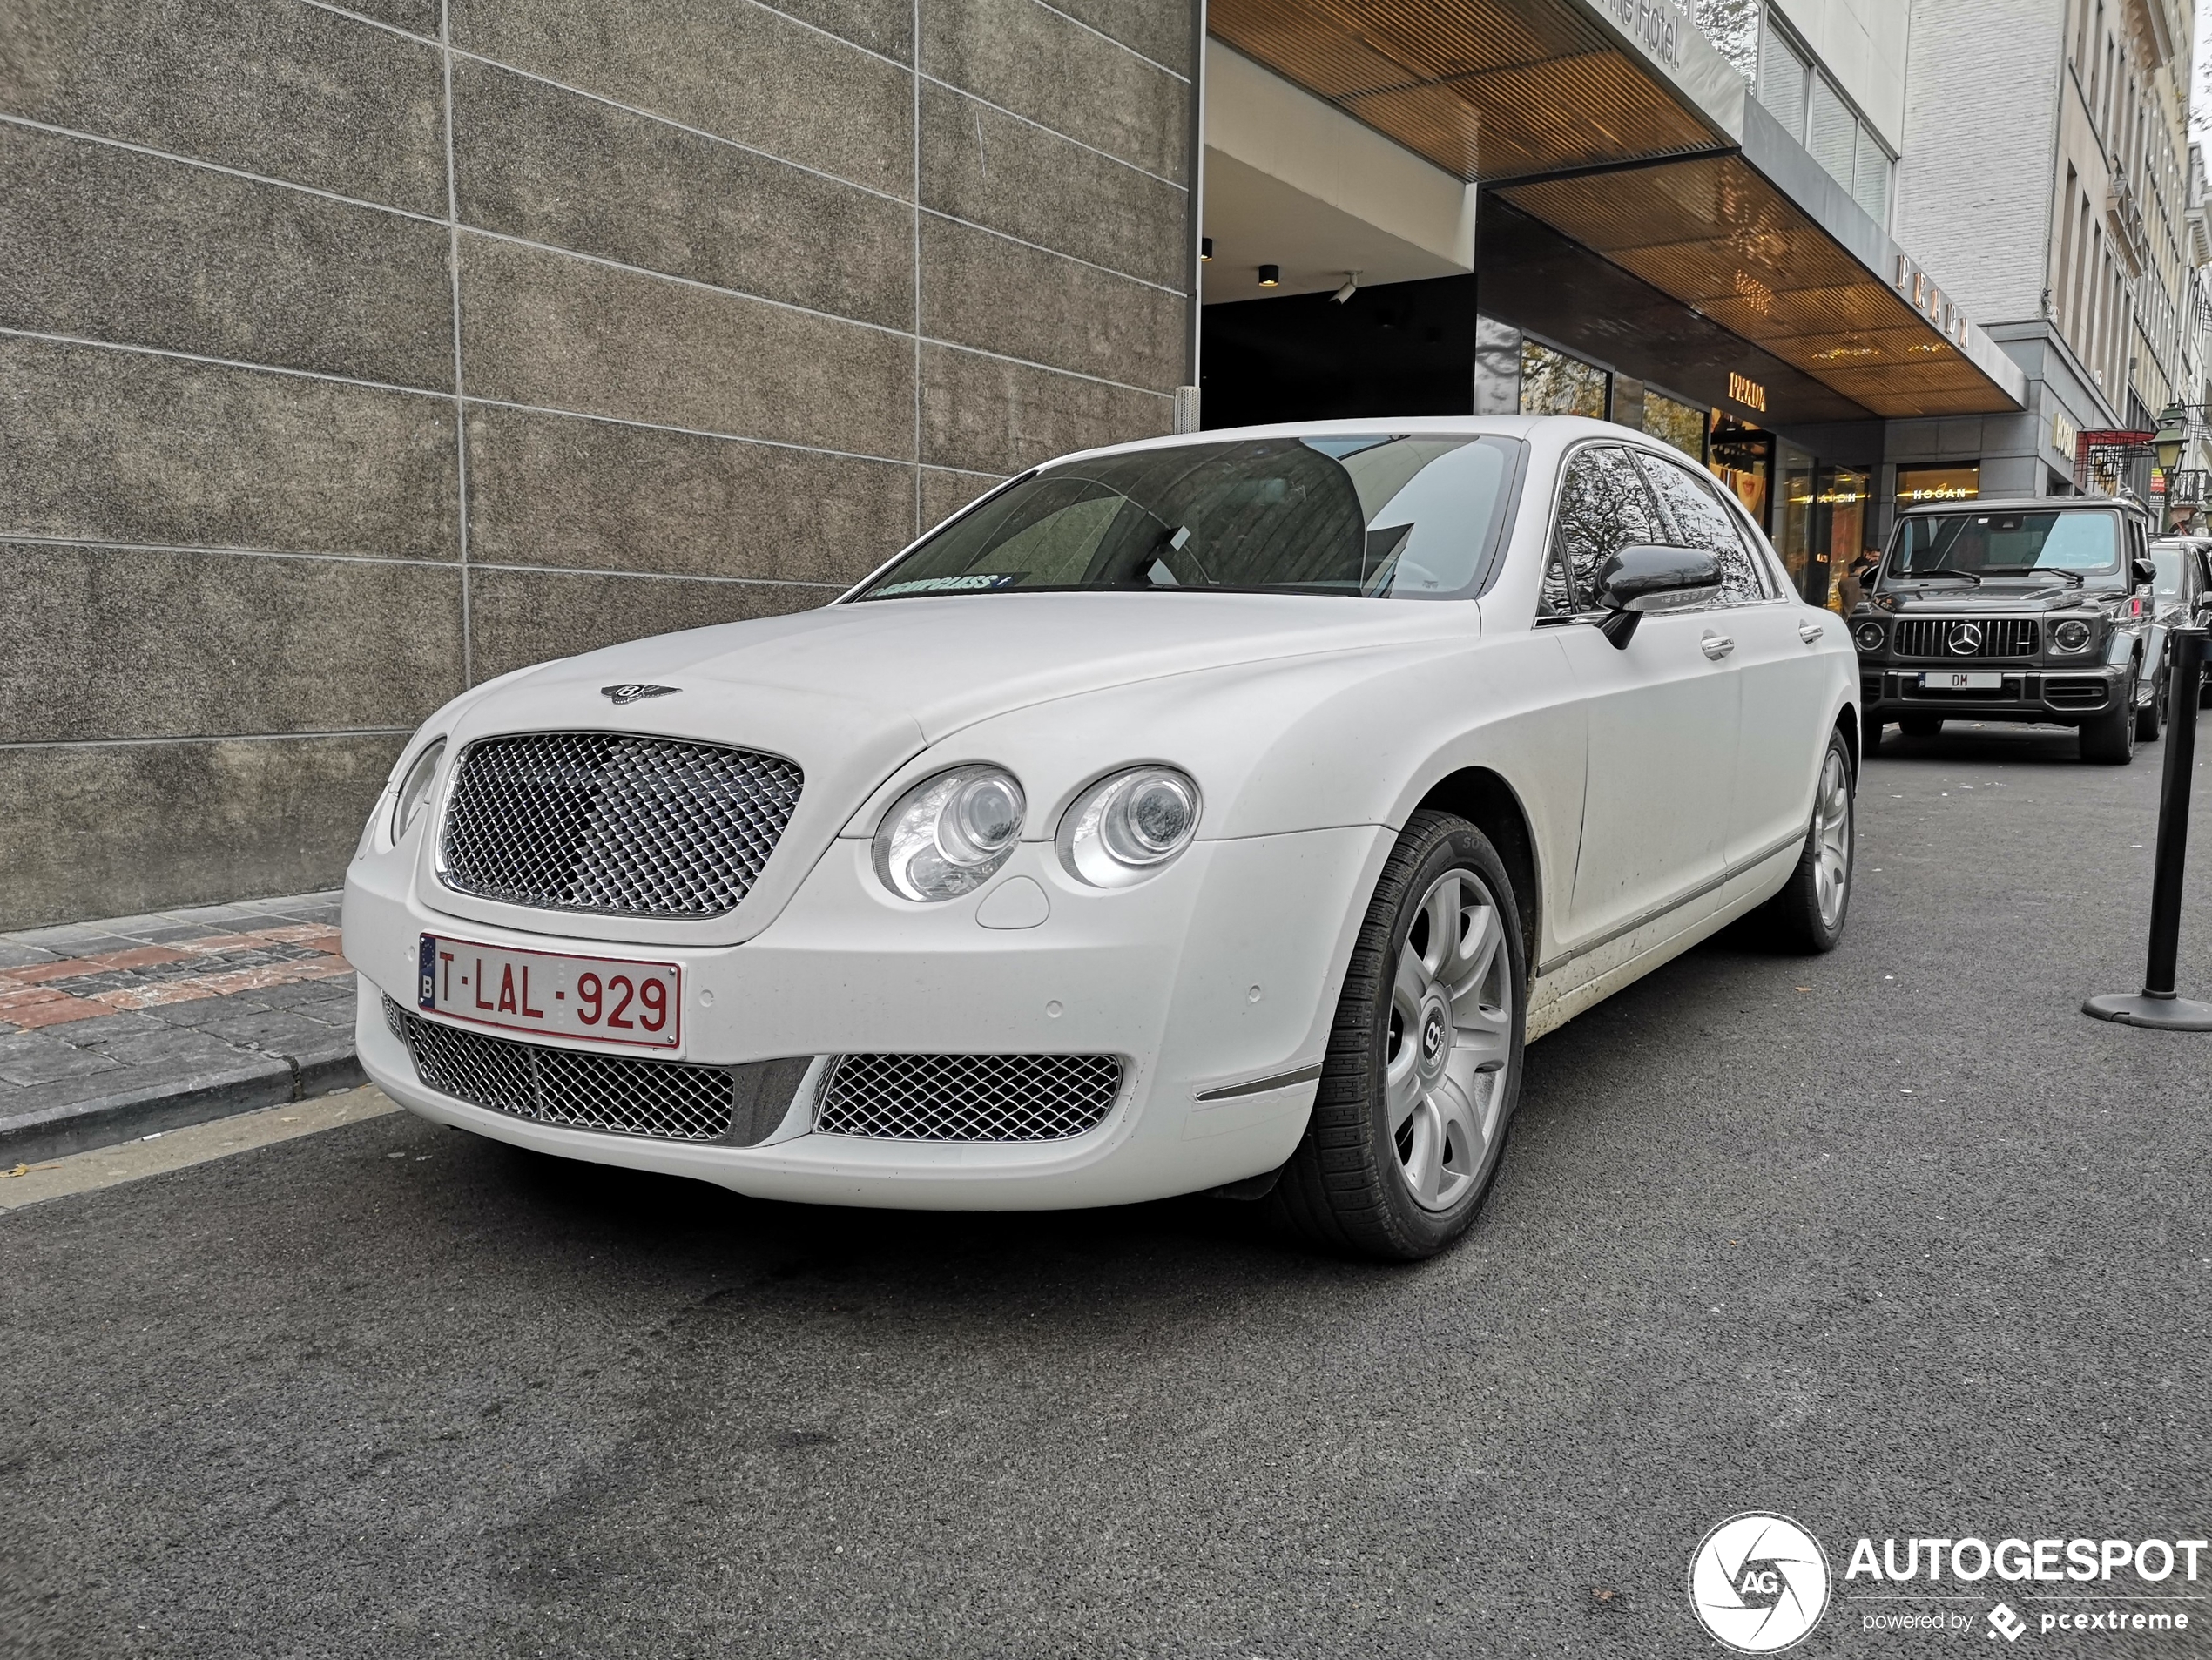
(634,691)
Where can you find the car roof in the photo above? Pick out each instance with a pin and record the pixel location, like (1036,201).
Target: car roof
(1561,428)
(2025,504)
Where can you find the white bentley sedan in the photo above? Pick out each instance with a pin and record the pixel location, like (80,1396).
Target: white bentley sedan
(1215,812)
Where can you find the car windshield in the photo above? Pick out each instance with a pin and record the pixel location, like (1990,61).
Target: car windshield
(1382,516)
(2168,561)
(1993,546)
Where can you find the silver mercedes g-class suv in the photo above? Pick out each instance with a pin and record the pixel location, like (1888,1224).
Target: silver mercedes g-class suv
(2038,609)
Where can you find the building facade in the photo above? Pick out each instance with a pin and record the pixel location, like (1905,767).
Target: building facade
(351,355)
(354,354)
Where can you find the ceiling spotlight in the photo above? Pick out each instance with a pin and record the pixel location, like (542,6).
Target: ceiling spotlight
(1205,250)
(1271,276)
(1350,287)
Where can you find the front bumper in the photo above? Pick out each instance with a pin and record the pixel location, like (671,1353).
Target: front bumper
(1890,691)
(1223,971)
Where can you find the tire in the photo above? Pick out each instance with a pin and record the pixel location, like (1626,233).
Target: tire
(2109,739)
(1809,911)
(2150,719)
(1920,725)
(1869,741)
(1424,1058)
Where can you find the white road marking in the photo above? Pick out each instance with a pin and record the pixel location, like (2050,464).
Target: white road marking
(194,1145)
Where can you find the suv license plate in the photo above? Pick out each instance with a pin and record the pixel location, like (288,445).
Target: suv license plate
(608,999)
(1962,682)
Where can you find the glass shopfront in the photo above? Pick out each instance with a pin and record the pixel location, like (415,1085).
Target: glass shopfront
(1743,458)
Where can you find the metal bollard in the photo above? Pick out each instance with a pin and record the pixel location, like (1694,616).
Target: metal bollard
(2157,1004)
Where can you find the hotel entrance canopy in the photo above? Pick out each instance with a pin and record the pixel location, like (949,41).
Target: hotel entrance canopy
(1617,123)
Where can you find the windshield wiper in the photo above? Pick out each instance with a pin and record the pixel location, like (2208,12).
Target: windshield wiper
(1962,576)
(2037,575)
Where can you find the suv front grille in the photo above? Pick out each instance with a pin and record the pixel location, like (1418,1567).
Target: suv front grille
(613,824)
(619,1094)
(1946,637)
(967,1097)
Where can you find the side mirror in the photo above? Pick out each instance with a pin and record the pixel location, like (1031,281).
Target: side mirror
(2144,571)
(1641,577)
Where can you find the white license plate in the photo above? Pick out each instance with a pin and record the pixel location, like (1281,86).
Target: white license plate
(610,999)
(1963,682)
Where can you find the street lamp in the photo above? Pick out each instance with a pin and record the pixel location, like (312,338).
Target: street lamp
(2173,433)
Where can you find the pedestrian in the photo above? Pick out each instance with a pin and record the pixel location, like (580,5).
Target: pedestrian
(1851,589)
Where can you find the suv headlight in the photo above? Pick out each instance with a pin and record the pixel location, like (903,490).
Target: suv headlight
(2073,635)
(1129,827)
(947,835)
(1869,635)
(414,789)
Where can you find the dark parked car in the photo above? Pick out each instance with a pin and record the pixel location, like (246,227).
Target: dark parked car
(2032,609)
(2183,585)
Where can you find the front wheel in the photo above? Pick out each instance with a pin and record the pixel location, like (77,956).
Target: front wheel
(2150,719)
(2109,739)
(1809,911)
(1424,1063)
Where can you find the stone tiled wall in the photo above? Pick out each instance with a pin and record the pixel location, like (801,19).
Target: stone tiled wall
(351,355)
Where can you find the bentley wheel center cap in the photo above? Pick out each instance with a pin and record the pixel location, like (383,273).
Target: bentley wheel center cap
(1436,1036)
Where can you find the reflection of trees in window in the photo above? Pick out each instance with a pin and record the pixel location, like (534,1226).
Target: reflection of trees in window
(1680,424)
(1699,521)
(1603,507)
(1733,27)
(1554,384)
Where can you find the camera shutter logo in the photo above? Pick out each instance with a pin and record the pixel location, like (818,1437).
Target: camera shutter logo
(1759,1583)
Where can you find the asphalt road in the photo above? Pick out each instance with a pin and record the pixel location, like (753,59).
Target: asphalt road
(1892,1241)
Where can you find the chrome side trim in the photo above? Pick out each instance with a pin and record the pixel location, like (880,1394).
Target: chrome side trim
(1261,1086)
(1645,918)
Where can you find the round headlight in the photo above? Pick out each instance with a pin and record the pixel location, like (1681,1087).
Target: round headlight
(414,789)
(948,834)
(2073,635)
(1869,635)
(1126,826)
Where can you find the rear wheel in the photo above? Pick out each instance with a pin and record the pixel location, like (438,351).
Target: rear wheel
(1424,1063)
(1921,725)
(1809,912)
(2109,739)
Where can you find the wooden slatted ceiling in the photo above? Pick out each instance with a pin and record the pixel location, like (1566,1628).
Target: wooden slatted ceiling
(1483,89)
(1715,233)
(1494,91)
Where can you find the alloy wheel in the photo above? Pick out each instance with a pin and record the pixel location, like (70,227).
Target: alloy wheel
(1832,867)
(1450,1023)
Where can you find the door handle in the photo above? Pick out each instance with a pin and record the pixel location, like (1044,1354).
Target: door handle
(1810,631)
(1716,646)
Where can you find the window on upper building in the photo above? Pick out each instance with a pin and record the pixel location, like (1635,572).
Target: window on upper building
(1812,109)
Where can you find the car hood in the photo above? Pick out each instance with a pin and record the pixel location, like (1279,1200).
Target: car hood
(1953,599)
(853,692)
(938,665)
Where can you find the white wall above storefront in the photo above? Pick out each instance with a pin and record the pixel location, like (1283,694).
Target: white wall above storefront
(1292,181)
(1863,43)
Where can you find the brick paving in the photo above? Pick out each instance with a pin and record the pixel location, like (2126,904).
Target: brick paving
(177,1001)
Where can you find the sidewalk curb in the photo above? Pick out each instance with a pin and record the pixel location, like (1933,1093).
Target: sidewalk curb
(55,1132)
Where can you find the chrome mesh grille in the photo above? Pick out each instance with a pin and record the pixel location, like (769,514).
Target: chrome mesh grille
(614,824)
(1938,637)
(667,1100)
(967,1097)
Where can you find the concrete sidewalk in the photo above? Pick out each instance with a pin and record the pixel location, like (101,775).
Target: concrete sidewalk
(117,1030)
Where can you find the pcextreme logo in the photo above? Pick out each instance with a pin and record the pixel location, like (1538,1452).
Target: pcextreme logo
(1759,1582)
